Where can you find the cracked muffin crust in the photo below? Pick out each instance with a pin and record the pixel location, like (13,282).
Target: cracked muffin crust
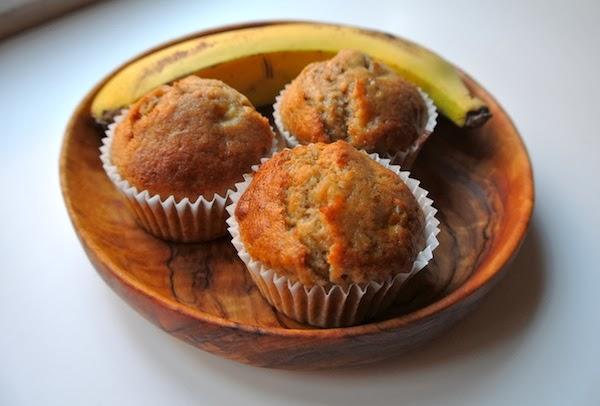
(351,97)
(194,137)
(328,214)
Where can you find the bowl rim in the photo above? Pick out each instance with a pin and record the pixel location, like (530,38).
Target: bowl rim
(485,275)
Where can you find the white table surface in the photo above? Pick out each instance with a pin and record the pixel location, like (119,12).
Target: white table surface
(66,338)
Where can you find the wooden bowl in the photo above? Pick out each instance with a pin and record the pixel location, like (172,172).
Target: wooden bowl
(480,180)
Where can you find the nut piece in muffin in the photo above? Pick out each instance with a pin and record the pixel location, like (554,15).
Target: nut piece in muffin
(326,214)
(354,98)
(196,137)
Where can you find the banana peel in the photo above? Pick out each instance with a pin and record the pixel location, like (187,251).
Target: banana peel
(258,61)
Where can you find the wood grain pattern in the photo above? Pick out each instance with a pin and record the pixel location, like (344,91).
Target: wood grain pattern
(480,180)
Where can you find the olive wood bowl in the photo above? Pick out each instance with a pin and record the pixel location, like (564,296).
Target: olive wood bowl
(480,180)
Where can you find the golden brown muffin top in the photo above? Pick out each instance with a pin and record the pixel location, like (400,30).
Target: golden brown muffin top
(354,98)
(327,213)
(194,137)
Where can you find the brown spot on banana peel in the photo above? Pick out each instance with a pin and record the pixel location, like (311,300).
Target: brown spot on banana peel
(402,42)
(159,65)
(268,68)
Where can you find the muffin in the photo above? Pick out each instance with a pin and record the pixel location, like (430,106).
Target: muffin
(178,151)
(353,98)
(329,234)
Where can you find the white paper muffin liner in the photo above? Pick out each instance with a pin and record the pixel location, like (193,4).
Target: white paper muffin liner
(181,221)
(334,305)
(403,158)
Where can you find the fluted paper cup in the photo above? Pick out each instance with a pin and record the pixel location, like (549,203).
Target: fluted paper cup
(334,305)
(183,221)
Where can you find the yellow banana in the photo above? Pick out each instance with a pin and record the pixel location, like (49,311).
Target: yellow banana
(258,61)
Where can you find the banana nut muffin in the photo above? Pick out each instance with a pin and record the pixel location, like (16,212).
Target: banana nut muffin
(328,214)
(194,137)
(353,98)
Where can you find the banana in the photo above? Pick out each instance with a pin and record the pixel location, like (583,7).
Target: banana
(258,61)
